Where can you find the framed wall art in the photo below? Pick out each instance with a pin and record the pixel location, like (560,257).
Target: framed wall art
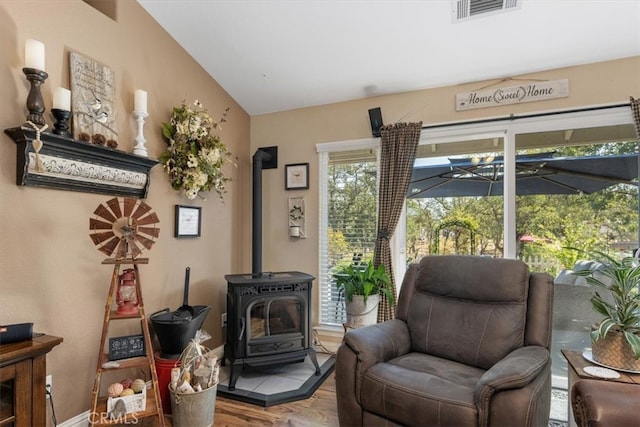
(188,221)
(296,176)
(92,100)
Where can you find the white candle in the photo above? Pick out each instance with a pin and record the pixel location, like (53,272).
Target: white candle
(140,101)
(62,99)
(34,54)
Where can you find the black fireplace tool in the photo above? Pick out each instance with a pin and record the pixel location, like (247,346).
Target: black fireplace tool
(185,311)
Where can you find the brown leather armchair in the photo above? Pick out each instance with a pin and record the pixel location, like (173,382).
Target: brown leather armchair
(469,347)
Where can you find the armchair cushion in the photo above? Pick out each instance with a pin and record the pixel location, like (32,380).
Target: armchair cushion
(417,387)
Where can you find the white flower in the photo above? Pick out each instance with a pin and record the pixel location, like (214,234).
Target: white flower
(192,162)
(194,126)
(191,193)
(182,127)
(212,155)
(199,178)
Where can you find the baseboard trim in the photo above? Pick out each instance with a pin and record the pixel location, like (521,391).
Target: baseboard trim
(81,420)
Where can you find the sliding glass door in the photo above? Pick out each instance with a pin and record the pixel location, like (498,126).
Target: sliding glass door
(522,187)
(529,188)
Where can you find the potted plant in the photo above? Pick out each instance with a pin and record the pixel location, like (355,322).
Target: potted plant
(362,285)
(616,339)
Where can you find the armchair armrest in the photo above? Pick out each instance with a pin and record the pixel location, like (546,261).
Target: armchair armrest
(516,370)
(361,349)
(378,343)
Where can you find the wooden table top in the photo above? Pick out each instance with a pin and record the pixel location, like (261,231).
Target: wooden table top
(12,352)
(577,362)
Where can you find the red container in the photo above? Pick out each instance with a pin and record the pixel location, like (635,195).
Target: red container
(163,370)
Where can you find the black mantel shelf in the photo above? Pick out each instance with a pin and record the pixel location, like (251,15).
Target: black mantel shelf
(67,164)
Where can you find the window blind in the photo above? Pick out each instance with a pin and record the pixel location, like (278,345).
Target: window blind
(348,207)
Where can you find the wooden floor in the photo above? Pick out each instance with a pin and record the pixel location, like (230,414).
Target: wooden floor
(317,411)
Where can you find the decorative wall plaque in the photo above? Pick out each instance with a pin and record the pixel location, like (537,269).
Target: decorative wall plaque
(92,99)
(537,91)
(297,217)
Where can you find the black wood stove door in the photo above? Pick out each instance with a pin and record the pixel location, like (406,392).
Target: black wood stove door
(275,325)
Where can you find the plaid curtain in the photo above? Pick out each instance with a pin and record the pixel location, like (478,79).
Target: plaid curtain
(397,154)
(635,109)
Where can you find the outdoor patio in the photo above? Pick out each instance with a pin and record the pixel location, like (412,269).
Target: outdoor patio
(572,320)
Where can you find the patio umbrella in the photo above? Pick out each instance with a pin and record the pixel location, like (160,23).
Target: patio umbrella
(535,174)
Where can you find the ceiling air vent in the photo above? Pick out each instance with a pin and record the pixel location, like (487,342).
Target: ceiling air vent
(466,9)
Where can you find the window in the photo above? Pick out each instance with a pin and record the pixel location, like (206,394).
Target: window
(347,219)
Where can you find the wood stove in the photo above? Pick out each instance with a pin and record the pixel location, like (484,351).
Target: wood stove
(268,314)
(268,320)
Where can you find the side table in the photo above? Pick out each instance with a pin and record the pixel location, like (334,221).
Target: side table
(22,378)
(576,362)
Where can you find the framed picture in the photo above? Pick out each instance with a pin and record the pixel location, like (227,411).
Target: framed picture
(296,176)
(188,221)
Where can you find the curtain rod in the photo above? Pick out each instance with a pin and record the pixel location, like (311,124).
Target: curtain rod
(525,116)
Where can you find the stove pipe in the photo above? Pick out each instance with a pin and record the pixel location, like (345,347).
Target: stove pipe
(256,246)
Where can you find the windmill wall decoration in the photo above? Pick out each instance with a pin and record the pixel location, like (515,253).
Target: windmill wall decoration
(124,227)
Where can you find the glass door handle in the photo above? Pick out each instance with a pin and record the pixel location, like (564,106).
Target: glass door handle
(242,326)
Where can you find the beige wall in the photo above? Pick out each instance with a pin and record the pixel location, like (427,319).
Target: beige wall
(297,132)
(50,272)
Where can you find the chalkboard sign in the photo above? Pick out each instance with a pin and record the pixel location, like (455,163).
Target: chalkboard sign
(126,347)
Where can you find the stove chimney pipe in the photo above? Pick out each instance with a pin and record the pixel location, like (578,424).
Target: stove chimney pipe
(264,158)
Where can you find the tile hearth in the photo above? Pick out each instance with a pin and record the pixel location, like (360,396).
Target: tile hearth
(266,386)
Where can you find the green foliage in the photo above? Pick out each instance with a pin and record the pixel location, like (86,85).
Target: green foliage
(567,257)
(623,314)
(586,221)
(338,246)
(463,232)
(365,280)
(421,220)
(352,203)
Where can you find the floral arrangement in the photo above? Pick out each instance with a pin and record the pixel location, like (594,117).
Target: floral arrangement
(195,156)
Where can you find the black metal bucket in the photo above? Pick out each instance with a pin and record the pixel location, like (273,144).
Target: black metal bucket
(175,331)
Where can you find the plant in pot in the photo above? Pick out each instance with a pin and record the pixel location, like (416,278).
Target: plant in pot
(362,285)
(616,339)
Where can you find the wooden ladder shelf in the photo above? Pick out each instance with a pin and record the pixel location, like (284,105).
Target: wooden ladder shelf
(99,415)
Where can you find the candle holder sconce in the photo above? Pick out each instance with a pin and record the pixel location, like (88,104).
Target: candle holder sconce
(35,103)
(140,148)
(61,126)
(297,218)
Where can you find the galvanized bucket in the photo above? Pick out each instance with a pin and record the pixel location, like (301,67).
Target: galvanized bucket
(360,314)
(193,409)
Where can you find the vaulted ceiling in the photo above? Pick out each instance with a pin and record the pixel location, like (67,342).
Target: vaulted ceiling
(279,55)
